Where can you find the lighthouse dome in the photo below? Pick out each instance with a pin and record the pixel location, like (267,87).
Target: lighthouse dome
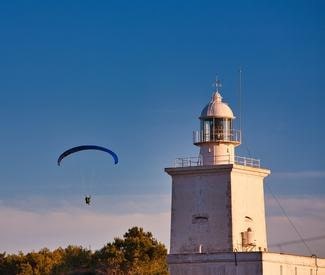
(217,108)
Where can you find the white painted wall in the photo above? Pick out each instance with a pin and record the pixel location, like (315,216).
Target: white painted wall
(212,153)
(209,206)
(201,213)
(284,264)
(244,263)
(247,201)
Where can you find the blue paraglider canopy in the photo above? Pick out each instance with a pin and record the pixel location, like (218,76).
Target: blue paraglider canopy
(86,147)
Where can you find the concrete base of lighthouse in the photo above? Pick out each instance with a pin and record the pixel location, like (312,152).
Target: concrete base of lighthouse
(244,263)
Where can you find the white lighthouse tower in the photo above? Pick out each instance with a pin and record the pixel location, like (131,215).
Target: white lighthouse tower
(217,138)
(217,213)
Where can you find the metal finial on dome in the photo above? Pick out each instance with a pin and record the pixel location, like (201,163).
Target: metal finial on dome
(217,84)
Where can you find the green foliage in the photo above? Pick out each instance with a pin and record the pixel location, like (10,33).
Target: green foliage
(137,253)
(72,259)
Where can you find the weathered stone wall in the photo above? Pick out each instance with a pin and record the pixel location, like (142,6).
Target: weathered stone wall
(201,212)
(244,263)
(247,203)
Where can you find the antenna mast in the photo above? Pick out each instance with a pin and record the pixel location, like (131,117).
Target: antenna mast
(240,95)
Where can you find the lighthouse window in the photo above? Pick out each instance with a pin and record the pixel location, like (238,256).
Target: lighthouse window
(214,129)
(222,128)
(207,129)
(200,218)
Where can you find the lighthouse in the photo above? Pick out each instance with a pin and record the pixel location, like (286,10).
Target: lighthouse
(217,208)
(217,138)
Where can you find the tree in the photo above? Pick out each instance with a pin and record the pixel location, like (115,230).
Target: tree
(137,253)
(75,259)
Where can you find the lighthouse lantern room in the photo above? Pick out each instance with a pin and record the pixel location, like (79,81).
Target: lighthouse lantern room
(217,138)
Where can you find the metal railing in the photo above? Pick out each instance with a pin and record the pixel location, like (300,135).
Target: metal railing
(188,162)
(226,159)
(217,136)
(247,161)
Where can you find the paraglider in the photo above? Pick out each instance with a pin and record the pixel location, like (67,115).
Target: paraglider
(86,147)
(83,148)
(87,199)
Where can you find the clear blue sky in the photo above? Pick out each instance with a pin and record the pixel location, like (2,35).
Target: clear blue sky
(134,76)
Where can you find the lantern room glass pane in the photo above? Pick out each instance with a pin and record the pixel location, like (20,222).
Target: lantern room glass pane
(214,129)
(207,129)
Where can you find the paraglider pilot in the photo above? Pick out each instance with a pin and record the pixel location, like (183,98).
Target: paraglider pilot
(82,148)
(87,199)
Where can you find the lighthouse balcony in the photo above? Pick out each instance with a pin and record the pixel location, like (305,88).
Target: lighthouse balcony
(229,135)
(225,159)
